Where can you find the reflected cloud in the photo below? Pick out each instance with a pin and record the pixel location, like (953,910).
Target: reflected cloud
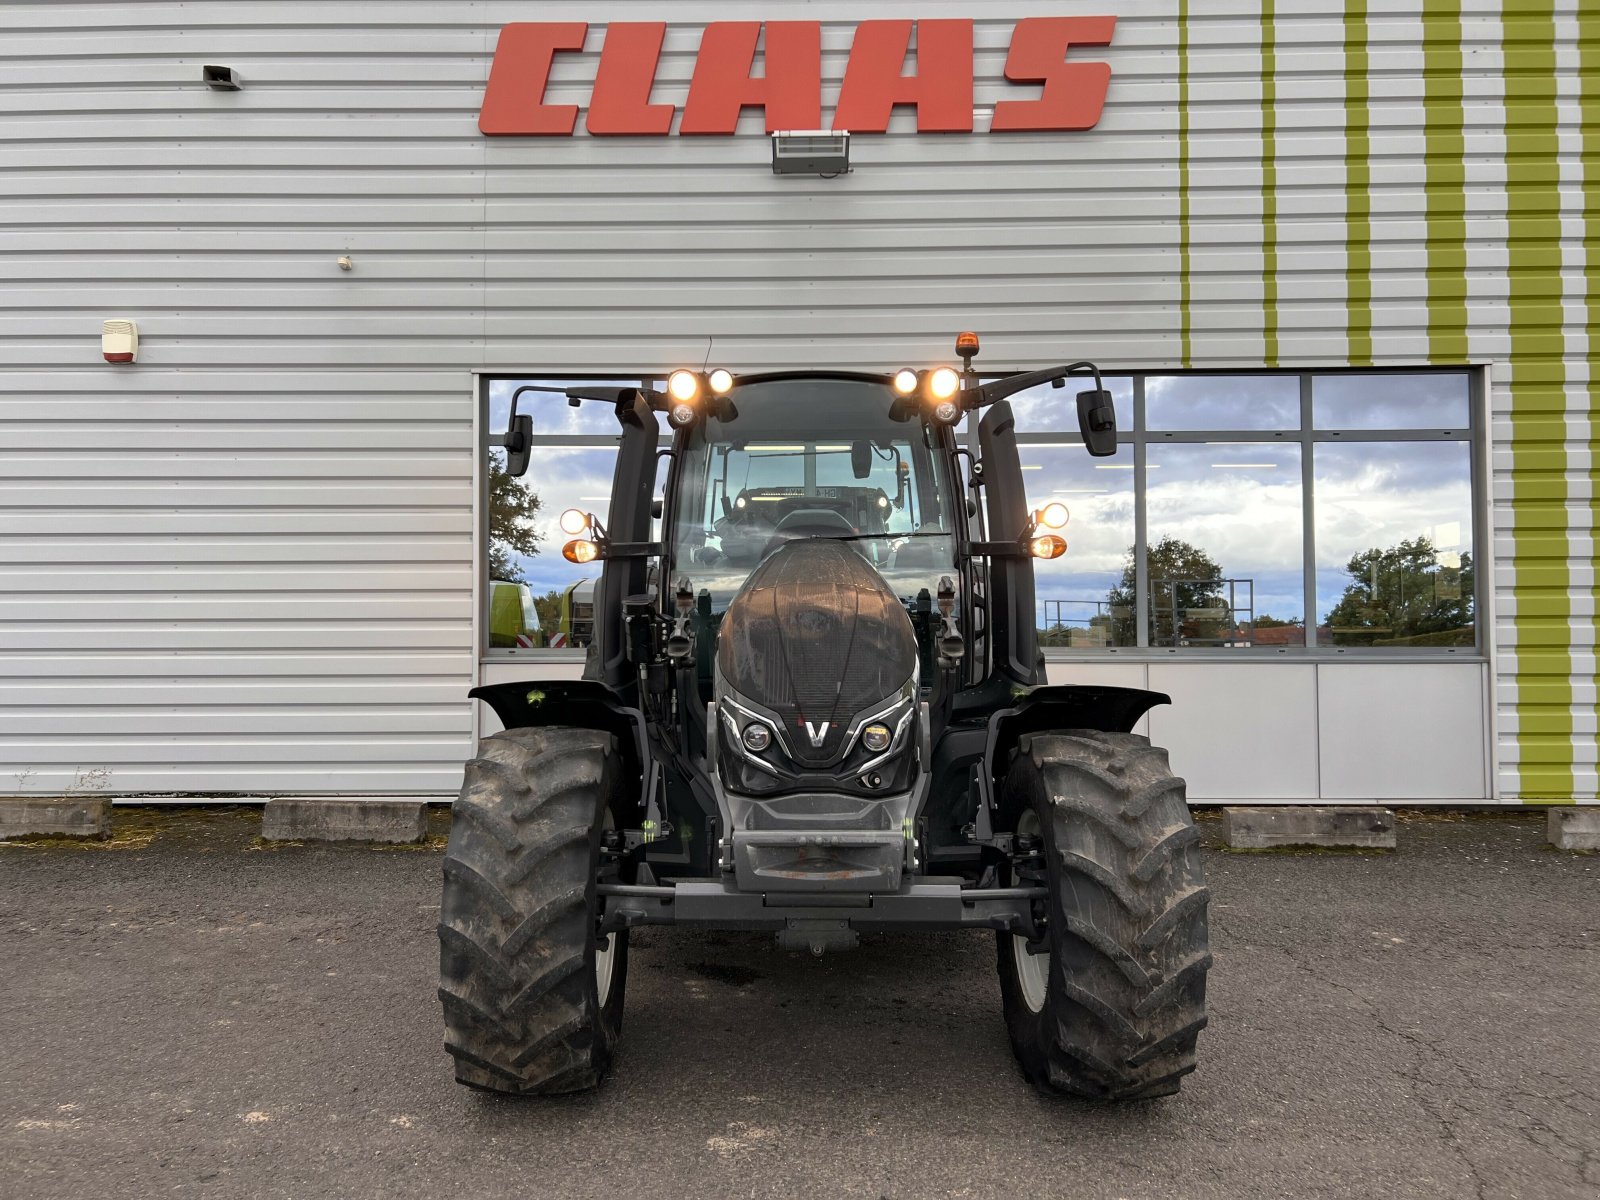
(1201,402)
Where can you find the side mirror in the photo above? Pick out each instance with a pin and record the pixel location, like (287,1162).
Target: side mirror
(1097,422)
(519,445)
(861,458)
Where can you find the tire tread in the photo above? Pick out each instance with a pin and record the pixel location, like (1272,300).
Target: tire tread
(515,930)
(1126,1002)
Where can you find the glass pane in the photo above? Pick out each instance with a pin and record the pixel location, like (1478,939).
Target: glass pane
(1431,400)
(1394,544)
(1226,553)
(786,468)
(1201,402)
(1045,409)
(525,541)
(551,413)
(1084,598)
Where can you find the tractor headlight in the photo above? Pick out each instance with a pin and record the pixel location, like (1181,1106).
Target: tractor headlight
(876,738)
(1054,515)
(574,520)
(682,414)
(756,737)
(683,386)
(721,381)
(943,383)
(905,381)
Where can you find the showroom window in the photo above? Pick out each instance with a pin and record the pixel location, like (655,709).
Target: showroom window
(1245,513)
(1265,512)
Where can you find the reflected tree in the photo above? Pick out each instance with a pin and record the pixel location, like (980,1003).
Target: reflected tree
(1183,577)
(1407,595)
(549,609)
(511,511)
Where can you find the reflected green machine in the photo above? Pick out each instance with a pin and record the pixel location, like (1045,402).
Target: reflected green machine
(815,704)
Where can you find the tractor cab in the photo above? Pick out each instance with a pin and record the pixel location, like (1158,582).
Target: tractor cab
(797,458)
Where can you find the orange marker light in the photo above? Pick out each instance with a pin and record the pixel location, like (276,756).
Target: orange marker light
(966,345)
(581,550)
(1048,546)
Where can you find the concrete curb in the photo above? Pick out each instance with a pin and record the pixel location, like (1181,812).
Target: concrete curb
(287,819)
(55,817)
(1573,828)
(1352,828)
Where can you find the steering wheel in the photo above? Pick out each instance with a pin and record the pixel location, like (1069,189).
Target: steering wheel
(805,523)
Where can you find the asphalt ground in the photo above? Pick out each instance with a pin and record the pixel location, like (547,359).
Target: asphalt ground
(186,1012)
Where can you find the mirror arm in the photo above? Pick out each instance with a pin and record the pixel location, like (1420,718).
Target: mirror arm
(1002,389)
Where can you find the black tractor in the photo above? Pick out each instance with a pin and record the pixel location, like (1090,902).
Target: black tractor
(814,704)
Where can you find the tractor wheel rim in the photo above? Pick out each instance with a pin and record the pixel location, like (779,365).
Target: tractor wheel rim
(605,951)
(1033,970)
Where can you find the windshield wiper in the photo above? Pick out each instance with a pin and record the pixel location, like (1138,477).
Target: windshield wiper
(876,537)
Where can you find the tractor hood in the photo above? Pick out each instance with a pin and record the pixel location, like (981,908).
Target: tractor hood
(817,638)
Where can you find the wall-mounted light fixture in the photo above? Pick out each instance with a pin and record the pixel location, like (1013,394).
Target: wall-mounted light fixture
(818,152)
(221,79)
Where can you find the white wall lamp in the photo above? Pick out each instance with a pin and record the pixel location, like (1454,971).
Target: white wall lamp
(818,152)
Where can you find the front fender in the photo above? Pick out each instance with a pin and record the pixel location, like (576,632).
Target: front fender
(1065,706)
(580,703)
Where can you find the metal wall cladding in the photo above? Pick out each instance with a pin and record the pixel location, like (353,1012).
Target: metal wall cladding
(245,564)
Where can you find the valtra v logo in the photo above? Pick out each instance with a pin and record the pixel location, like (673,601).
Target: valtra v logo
(790,88)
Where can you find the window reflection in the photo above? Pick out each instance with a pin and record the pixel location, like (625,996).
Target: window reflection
(1394,544)
(525,536)
(1205,402)
(1423,400)
(1045,409)
(1077,601)
(552,415)
(1226,545)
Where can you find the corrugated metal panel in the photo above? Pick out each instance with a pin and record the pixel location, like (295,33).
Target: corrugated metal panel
(253,551)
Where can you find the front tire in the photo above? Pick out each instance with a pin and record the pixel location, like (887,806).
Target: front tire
(1113,1010)
(532,998)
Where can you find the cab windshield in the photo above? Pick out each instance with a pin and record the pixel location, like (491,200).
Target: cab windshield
(813,457)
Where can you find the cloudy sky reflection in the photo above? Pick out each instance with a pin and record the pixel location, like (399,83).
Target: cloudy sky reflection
(1205,402)
(1426,400)
(1073,589)
(1239,502)
(1374,495)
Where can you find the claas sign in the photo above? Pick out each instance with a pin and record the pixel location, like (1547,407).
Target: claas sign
(1065,94)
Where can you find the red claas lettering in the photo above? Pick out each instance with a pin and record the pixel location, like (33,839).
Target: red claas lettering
(723,83)
(924,65)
